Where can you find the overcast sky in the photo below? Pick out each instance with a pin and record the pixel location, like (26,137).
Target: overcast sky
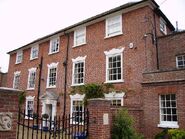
(22,21)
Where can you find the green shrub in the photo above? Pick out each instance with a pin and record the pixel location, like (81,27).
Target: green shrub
(176,133)
(162,134)
(123,126)
(171,134)
(92,90)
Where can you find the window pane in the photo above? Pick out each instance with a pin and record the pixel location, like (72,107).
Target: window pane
(78,76)
(168,108)
(78,109)
(114,25)
(181,61)
(114,69)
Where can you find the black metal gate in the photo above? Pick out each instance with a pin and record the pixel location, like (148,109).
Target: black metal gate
(73,126)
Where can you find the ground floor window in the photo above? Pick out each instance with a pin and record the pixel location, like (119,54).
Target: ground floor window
(77,108)
(115,98)
(29,106)
(168,111)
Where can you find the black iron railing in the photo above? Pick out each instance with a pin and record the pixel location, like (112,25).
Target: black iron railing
(64,127)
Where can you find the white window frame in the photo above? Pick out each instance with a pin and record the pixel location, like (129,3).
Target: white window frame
(18,55)
(17,73)
(167,124)
(57,39)
(76,61)
(34,48)
(32,70)
(83,30)
(111,53)
(183,60)
(29,98)
(51,66)
(163,27)
(115,96)
(108,20)
(76,97)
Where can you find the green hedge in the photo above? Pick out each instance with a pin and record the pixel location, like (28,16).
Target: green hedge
(171,134)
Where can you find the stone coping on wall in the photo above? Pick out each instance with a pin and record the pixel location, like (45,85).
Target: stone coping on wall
(164,76)
(11,90)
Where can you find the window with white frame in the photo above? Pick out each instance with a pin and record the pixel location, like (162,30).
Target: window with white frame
(31,78)
(180,61)
(114,65)
(78,71)
(80,36)
(163,26)
(19,57)
(77,108)
(114,26)
(115,98)
(16,81)
(54,45)
(34,52)
(29,106)
(168,111)
(52,75)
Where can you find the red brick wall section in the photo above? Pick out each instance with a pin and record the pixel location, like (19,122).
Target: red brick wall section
(98,108)
(9,103)
(169,47)
(151,106)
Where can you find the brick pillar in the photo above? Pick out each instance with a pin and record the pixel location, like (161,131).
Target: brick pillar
(8,113)
(100,119)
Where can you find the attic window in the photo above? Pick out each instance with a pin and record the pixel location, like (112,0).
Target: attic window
(163,26)
(113,26)
(19,57)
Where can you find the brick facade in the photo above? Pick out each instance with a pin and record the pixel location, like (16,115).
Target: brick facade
(138,19)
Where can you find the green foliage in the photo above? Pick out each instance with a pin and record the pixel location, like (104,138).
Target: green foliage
(92,90)
(162,134)
(123,126)
(177,133)
(21,98)
(171,134)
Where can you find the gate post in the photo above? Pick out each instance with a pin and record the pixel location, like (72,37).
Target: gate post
(100,119)
(8,112)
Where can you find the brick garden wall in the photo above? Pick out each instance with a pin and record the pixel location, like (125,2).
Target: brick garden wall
(98,108)
(9,103)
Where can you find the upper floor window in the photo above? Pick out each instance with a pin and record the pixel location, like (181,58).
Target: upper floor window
(168,111)
(31,78)
(180,61)
(34,52)
(115,98)
(19,57)
(163,26)
(114,26)
(29,106)
(78,71)
(80,36)
(54,45)
(114,65)
(16,80)
(52,75)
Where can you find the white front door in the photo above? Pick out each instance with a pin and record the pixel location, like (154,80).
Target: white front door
(49,110)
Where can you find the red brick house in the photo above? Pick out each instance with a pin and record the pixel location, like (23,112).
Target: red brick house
(124,46)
